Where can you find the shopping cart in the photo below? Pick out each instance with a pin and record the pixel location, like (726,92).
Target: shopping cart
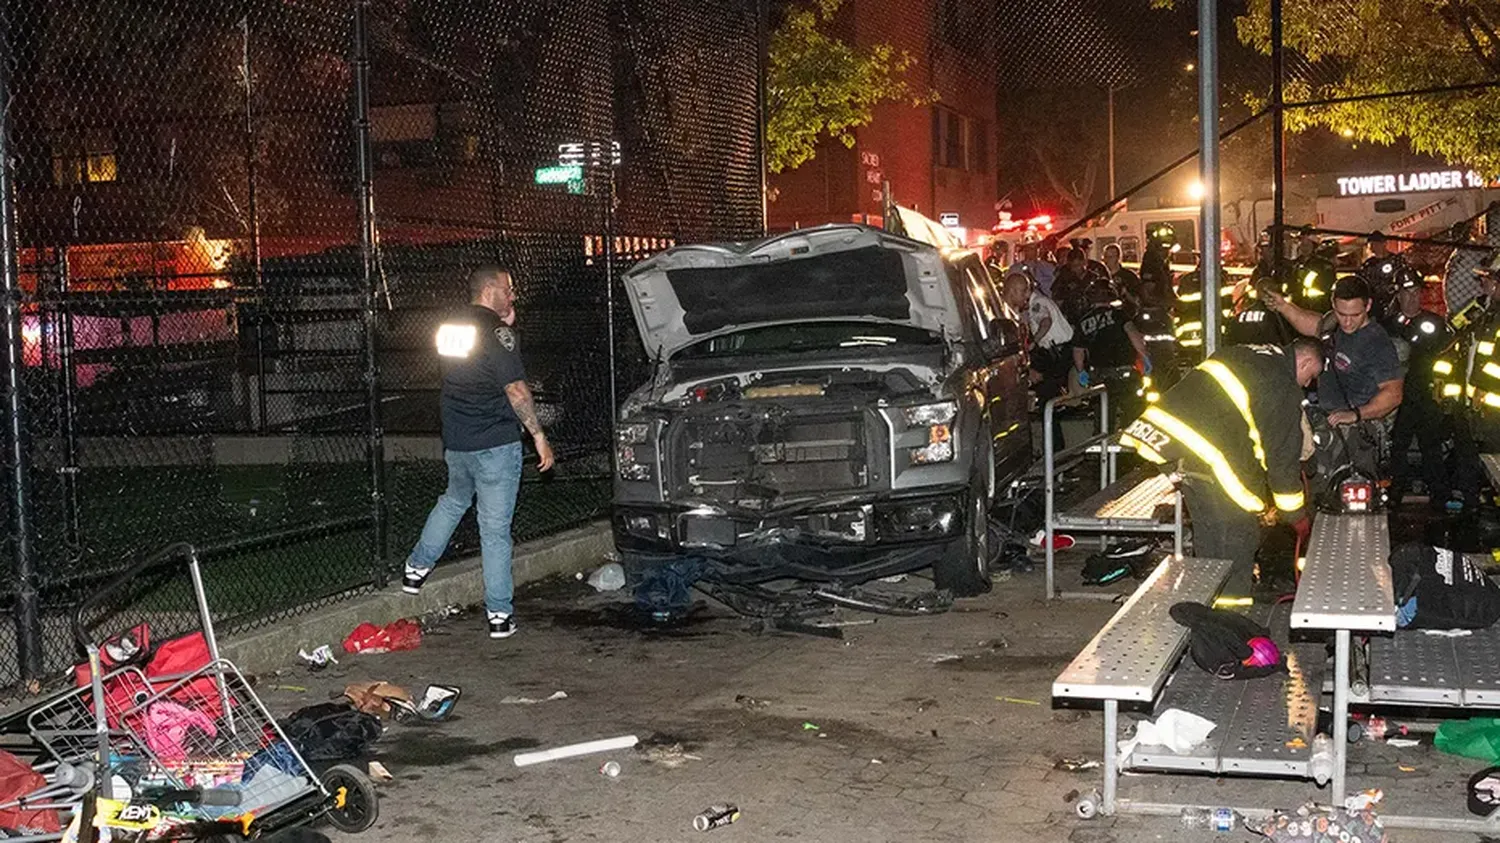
(194,755)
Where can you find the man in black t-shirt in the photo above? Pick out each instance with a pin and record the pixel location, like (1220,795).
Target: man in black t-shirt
(1106,347)
(485,405)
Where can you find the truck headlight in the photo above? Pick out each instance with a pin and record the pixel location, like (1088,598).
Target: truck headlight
(635,456)
(926,415)
(938,419)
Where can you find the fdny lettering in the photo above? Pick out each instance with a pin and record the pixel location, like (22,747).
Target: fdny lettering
(1253,316)
(1096,322)
(1148,434)
(1267,349)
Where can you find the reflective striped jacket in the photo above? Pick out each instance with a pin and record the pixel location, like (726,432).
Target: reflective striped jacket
(1240,414)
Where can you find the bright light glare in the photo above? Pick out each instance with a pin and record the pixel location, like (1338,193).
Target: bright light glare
(455,340)
(1195,190)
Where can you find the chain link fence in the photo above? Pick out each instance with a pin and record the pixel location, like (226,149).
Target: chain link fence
(221,323)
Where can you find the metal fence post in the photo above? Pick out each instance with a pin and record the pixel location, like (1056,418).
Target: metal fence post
(1278,144)
(252,179)
(68,410)
(17,445)
(375,438)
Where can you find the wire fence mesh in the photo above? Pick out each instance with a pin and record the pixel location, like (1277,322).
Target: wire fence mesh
(192,293)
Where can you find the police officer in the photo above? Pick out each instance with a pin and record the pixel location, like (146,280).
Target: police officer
(1424,335)
(1070,289)
(1233,429)
(1255,323)
(485,407)
(1107,349)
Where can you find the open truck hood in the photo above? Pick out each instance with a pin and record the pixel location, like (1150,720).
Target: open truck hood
(689,293)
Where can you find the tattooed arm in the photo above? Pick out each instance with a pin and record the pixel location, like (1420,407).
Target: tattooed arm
(521,401)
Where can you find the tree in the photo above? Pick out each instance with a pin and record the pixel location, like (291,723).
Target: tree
(1057,150)
(819,85)
(1387,46)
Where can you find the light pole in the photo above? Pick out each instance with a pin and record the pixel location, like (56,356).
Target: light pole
(1208,168)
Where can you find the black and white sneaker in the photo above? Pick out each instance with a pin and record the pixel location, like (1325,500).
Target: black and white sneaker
(501,626)
(412,578)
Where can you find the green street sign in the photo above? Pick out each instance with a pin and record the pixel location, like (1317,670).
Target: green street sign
(561,174)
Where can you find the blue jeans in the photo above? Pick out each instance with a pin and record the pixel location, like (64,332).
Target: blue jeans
(493,476)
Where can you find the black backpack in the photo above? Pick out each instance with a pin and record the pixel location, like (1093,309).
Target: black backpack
(332,732)
(1450,591)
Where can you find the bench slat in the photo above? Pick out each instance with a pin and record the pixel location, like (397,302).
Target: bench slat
(1478,659)
(1414,667)
(1128,503)
(1256,719)
(1347,581)
(1130,657)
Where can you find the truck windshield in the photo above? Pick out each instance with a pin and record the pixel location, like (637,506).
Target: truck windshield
(807,336)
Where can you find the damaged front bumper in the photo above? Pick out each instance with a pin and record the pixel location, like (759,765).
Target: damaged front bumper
(846,538)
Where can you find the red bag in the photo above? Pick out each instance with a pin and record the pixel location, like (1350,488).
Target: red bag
(172,659)
(403,634)
(17,780)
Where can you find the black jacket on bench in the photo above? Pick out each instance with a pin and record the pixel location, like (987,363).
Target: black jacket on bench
(1239,413)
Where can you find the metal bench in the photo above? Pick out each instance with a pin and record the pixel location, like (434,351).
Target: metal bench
(1122,505)
(1130,658)
(1345,586)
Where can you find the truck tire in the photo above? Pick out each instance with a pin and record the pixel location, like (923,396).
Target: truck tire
(964,568)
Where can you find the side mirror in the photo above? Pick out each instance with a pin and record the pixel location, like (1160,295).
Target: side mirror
(1005,337)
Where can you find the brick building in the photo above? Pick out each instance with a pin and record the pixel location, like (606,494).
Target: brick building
(939,158)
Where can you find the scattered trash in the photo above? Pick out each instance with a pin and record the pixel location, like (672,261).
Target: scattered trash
(556,695)
(332,731)
(368,638)
(430,620)
(1449,633)
(750,702)
(438,701)
(297,688)
(1296,743)
(939,658)
(667,588)
(876,761)
(669,756)
(526,759)
(791,625)
(1403,743)
(319,658)
(1405,769)
(1364,801)
(610,577)
(716,816)
(378,772)
(811,727)
(1177,730)
(1070,797)
(378,698)
(1330,824)
(1074,765)
(610,769)
(1017,701)
(894,579)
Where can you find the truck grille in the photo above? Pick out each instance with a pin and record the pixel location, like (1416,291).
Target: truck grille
(761,457)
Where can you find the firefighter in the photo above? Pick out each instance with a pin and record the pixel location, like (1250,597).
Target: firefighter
(1157,288)
(1466,380)
(1254,322)
(1313,275)
(1233,430)
(1423,335)
(1380,271)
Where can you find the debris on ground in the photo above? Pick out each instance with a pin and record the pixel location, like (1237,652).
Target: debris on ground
(608,577)
(810,727)
(319,658)
(526,759)
(1177,730)
(716,816)
(437,702)
(403,634)
(382,699)
(556,695)
(894,579)
(793,625)
(1017,701)
(1365,800)
(430,621)
(610,769)
(750,702)
(296,688)
(331,731)
(668,755)
(1074,765)
(378,772)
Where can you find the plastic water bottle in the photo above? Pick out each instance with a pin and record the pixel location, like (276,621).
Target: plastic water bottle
(1320,765)
(1210,819)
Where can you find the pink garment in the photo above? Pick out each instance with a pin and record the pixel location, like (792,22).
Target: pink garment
(167,725)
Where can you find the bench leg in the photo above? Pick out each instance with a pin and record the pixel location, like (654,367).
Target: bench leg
(1340,713)
(1177,524)
(1049,491)
(1111,755)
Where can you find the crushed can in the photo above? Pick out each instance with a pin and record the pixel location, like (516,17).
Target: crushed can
(715,816)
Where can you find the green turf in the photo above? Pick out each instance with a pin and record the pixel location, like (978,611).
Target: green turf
(129,512)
